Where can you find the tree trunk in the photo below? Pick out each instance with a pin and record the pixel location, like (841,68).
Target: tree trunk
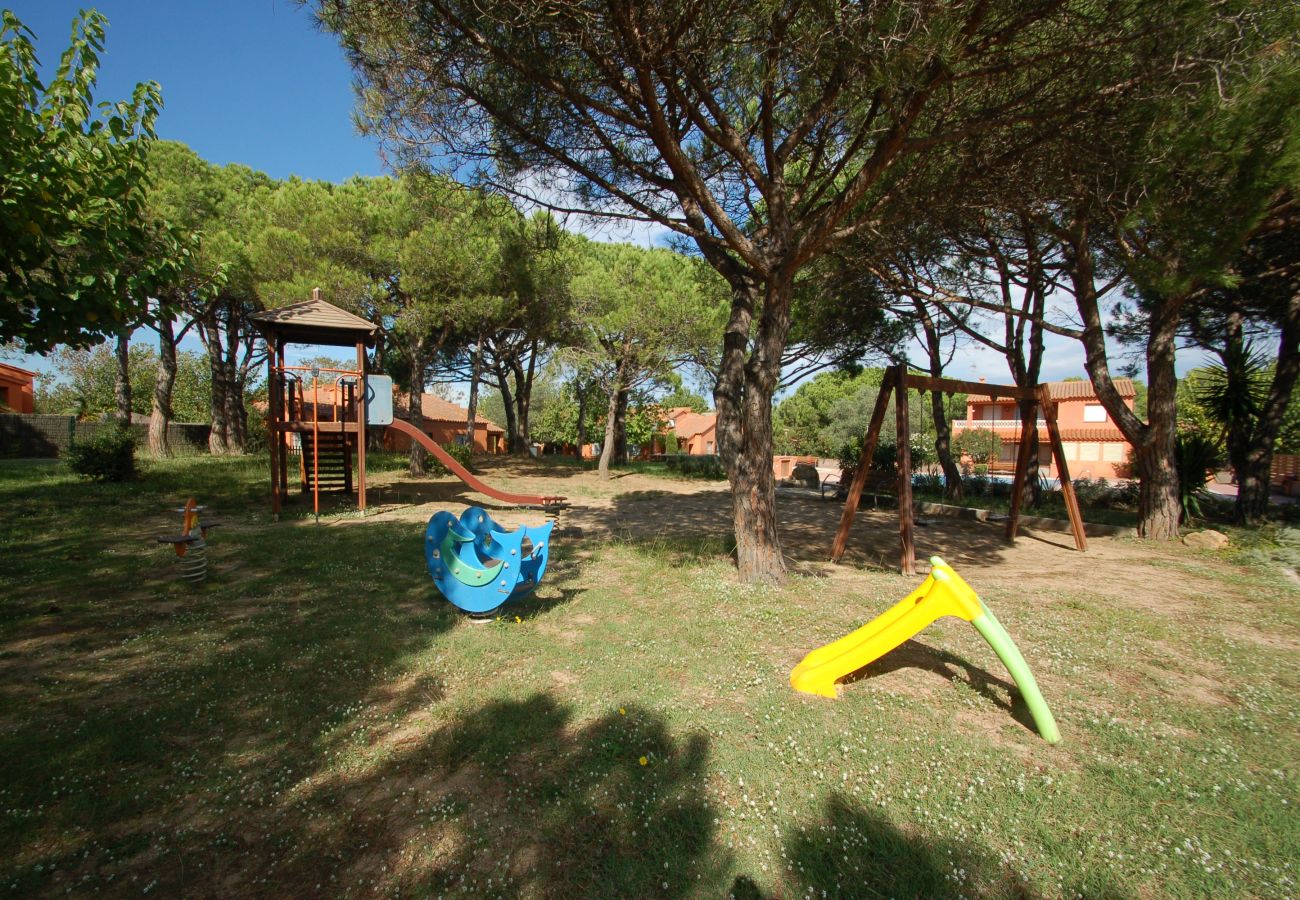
(476,372)
(522,441)
(743,397)
(236,414)
(620,426)
(1254,476)
(952,485)
(217,405)
(1153,441)
(582,392)
(416,462)
(607,450)
(1158,504)
(164,381)
(508,403)
(122,379)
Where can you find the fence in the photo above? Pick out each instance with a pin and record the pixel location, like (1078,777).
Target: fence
(28,435)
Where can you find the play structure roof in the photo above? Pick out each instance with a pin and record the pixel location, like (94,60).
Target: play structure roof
(1073,390)
(314,321)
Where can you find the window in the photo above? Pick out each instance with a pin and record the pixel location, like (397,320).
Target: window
(4,398)
(1113,451)
(1094,412)
(708,446)
(1089,452)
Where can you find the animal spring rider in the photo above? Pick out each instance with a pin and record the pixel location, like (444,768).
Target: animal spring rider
(479,565)
(943,593)
(191,544)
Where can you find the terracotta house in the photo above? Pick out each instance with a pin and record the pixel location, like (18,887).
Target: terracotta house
(1094,446)
(697,433)
(445,422)
(16,391)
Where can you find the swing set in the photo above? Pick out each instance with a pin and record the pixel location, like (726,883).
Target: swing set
(897,381)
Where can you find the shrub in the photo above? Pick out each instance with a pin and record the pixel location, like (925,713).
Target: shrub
(108,456)
(459,452)
(257,439)
(705,467)
(980,444)
(1196,456)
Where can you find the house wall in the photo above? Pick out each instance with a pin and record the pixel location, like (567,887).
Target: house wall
(16,393)
(703,444)
(1104,454)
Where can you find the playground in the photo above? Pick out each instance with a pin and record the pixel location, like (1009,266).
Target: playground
(315,718)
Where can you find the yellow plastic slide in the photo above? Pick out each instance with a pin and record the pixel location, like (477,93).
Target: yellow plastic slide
(943,593)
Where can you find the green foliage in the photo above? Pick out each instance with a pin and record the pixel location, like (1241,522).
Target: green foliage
(682,396)
(825,413)
(84,383)
(708,467)
(108,456)
(79,255)
(459,452)
(1196,456)
(981,444)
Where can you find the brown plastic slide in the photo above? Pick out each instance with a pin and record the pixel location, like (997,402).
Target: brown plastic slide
(460,471)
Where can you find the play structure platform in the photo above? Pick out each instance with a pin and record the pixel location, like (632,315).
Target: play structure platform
(943,593)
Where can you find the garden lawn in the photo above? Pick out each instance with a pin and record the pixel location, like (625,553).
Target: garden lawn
(315,720)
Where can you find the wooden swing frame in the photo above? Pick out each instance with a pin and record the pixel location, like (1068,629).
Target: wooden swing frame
(896,381)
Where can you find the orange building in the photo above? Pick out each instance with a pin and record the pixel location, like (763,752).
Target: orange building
(1094,446)
(697,433)
(16,393)
(445,422)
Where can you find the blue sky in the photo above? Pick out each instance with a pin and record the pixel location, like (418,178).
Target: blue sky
(247,81)
(256,82)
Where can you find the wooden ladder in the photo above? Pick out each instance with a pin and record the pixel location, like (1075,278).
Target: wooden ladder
(334,462)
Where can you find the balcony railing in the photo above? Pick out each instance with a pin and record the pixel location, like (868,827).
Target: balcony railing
(995,424)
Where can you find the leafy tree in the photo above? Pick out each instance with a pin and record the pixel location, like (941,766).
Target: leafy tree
(636,310)
(826,412)
(764,133)
(84,383)
(980,444)
(1191,175)
(681,396)
(78,255)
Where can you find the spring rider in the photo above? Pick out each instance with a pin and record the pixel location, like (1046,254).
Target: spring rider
(479,565)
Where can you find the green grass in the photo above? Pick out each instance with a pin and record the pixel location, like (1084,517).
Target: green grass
(315,720)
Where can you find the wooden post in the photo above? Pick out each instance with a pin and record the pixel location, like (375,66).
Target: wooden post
(273,401)
(1022,469)
(285,413)
(864,464)
(1063,469)
(362,422)
(902,415)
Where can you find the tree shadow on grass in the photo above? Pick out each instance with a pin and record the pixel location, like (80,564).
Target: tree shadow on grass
(913,654)
(807,528)
(849,851)
(517,798)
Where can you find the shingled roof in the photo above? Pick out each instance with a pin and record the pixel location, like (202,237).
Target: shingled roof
(314,321)
(1072,390)
(436,409)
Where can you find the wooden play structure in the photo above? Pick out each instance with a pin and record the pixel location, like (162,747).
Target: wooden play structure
(320,411)
(896,382)
(325,413)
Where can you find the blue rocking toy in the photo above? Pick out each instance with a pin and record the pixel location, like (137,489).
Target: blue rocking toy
(479,565)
